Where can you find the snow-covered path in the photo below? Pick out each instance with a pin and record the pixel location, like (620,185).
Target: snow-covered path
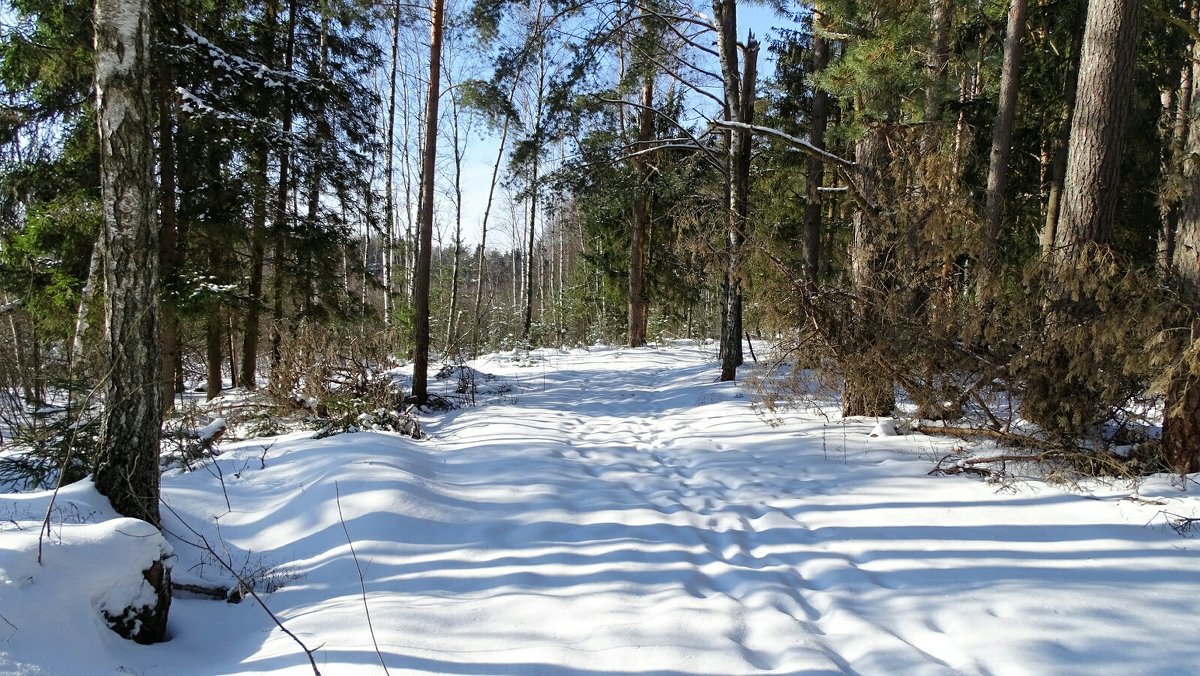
(618,511)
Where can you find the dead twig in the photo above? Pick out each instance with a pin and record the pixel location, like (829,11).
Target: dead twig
(362,584)
(204,544)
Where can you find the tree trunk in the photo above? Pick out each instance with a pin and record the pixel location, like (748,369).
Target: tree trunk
(282,191)
(739,107)
(126,470)
(818,124)
(1177,111)
(1058,172)
(1002,132)
(425,228)
(638,303)
(168,242)
(459,149)
(1092,182)
(481,264)
(868,391)
(1181,422)
(389,151)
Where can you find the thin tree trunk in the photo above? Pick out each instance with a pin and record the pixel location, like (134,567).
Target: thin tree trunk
(1058,172)
(638,302)
(739,105)
(258,172)
(1178,111)
(428,159)
(168,242)
(95,273)
(281,202)
(1181,420)
(818,124)
(1002,132)
(459,152)
(389,204)
(481,264)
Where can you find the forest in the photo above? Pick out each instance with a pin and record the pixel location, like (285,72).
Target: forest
(978,217)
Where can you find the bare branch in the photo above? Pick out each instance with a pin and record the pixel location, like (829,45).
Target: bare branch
(205,545)
(708,153)
(795,141)
(362,584)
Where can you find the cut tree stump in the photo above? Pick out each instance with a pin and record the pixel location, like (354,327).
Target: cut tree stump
(146,624)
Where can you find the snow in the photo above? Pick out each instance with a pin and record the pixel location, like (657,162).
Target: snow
(92,562)
(620,511)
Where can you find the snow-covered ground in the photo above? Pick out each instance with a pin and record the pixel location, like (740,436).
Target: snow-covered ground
(619,511)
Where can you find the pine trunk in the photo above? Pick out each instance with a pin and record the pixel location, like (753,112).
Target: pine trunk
(1092,182)
(1058,171)
(638,311)
(1181,423)
(1002,132)
(867,391)
(421,278)
(818,124)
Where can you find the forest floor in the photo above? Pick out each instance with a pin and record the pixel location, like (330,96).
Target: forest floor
(615,511)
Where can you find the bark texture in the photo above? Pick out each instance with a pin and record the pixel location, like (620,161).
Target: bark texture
(127,466)
(1092,181)
(867,391)
(127,455)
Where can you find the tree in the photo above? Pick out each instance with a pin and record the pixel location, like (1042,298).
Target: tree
(425,223)
(127,465)
(739,89)
(1181,419)
(127,470)
(1002,132)
(1090,189)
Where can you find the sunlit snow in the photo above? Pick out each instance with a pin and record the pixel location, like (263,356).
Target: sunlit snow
(619,511)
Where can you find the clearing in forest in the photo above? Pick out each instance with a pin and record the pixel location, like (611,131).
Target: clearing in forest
(618,511)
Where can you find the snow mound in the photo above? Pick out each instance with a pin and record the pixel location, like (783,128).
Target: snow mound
(87,569)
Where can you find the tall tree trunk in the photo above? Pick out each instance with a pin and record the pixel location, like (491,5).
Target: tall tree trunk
(459,151)
(1002,132)
(1092,182)
(867,391)
(283,190)
(126,468)
(638,302)
(481,263)
(214,329)
(531,234)
(428,159)
(389,151)
(1177,109)
(251,326)
(168,242)
(739,107)
(1181,421)
(818,124)
(1058,171)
